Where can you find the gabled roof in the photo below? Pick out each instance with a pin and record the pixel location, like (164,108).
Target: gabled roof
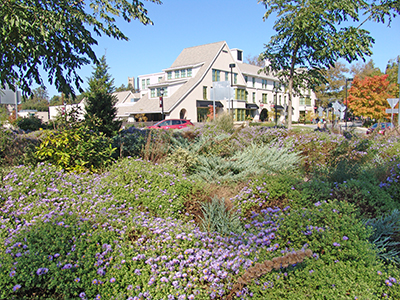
(203,55)
(253,70)
(123,96)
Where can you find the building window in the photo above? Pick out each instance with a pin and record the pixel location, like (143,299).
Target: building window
(152,93)
(280,100)
(226,76)
(169,75)
(239,55)
(159,79)
(176,74)
(245,78)
(240,94)
(239,114)
(189,72)
(254,81)
(216,75)
(159,92)
(302,101)
(264,84)
(204,93)
(308,101)
(183,73)
(235,78)
(254,97)
(143,84)
(285,100)
(147,81)
(265,98)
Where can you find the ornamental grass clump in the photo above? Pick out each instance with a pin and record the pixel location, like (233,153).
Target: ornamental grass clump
(386,236)
(218,218)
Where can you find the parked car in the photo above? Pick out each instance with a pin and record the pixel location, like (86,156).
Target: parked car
(381,128)
(171,124)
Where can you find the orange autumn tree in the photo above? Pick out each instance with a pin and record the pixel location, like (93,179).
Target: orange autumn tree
(367,97)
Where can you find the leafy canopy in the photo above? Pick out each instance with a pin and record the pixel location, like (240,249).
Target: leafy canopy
(310,36)
(55,35)
(333,88)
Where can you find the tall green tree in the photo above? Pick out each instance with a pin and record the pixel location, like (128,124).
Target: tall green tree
(312,35)
(39,100)
(335,77)
(392,70)
(362,70)
(100,102)
(57,35)
(123,88)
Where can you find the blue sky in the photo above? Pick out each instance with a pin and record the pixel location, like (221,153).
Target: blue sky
(179,24)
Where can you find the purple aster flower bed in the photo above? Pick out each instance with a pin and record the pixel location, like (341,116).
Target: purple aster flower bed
(122,235)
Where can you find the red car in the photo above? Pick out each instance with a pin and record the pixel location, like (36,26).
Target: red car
(171,124)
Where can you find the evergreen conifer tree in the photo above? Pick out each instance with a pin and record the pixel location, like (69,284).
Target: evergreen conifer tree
(100,103)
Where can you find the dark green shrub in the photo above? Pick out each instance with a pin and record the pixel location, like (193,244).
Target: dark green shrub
(370,200)
(15,149)
(391,184)
(31,123)
(129,142)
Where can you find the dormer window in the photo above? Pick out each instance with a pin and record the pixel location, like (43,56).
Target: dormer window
(239,55)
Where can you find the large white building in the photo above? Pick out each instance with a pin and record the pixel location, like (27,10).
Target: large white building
(210,72)
(208,77)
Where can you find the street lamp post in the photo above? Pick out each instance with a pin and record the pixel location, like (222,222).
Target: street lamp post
(232,66)
(345,112)
(162,103)
(276,105)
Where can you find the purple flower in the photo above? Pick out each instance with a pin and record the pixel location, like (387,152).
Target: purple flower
(345,238)
(42,271)
(151,281)
(112,280)
(392,279)
(67,266)
(77,279)
(388,283)
(12,273)
(16,287)
(82,295)
(336,244)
